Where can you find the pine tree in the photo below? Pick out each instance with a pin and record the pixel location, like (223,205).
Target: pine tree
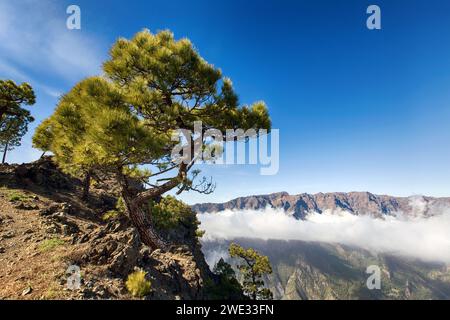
(43,137)
(116,124)
(12,129)
(14,119)
(13,96)
(253,269)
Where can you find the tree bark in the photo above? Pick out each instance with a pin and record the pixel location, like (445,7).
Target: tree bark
(4,153)
(135,203)
(145,228)
(86,186)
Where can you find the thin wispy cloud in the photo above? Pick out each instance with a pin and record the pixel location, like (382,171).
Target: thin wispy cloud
(34,39)
(10,71)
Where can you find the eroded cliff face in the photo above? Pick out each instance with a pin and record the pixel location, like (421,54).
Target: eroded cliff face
(359,203)
(45,228)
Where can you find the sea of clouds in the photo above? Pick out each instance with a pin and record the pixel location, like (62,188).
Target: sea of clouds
(414,235)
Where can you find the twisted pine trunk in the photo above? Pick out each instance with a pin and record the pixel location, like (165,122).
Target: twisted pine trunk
(140,218)
(143,224)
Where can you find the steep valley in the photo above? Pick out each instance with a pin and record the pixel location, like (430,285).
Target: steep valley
(308,271)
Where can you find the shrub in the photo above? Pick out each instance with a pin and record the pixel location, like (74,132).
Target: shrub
(120,205)
(15,196)
(115,213)
(110,215)
(169,212)
(137,285)
(50,244)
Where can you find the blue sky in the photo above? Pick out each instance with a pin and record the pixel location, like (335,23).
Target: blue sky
(358,110)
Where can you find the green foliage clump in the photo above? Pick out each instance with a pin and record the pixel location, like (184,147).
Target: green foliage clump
(199,233)
(227,286)
(13,96)
(110,215)
(43,136)
(169,213)
(255,266)
(113,214)
(120,205)
(50,244)
(15,196)
(137,284)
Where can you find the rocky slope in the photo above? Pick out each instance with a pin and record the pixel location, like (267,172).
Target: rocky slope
(358,203)
(45,228)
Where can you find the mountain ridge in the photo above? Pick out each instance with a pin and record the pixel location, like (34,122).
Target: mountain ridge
(358,203)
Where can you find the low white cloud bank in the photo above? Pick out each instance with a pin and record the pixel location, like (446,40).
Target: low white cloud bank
(426,238)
